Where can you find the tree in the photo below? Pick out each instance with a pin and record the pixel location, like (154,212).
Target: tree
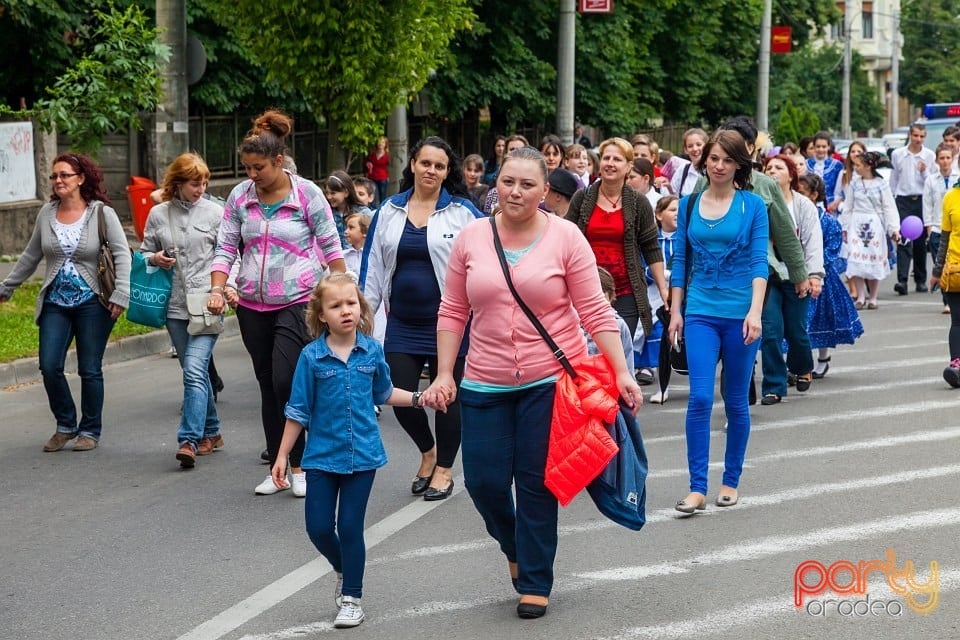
(796,123)
(931,46)
(352,62)
(809,81)
(111,83)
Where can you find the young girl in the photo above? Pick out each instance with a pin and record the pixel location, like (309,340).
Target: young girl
(831,317)
(473,176)
(655,353)
(343,449)
(577,161)
(343,199)
(684,178)
(869,217)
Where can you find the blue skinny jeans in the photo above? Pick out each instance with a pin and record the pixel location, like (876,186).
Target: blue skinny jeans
(199,417)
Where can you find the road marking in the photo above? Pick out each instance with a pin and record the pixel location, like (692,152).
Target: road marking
(736,553)
(286,586)
(665,515)
(801,421)
(751,613)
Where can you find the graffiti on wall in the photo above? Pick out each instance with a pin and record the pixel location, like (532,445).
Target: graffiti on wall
(18,177)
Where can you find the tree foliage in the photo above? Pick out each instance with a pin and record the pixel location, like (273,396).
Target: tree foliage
(113,80)
(351,62)
(810,81)
(931,46)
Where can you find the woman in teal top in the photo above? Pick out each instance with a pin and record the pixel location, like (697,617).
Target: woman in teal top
(718,281)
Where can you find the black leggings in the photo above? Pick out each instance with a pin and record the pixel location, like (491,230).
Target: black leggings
(953,338)
(405,372)
(274,340)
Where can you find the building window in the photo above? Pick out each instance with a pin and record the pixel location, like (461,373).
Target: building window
(867,25)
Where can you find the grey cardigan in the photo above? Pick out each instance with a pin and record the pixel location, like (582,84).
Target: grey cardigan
(44,245)
(194,244)
(639,237)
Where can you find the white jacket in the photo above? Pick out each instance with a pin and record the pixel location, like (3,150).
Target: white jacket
(452,214)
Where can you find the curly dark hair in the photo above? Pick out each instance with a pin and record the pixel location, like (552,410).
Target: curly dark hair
(92,187)
(453,183)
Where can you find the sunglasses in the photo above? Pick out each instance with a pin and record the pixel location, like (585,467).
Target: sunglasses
(62,175)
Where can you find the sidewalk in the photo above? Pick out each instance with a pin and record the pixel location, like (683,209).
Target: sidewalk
(27,369)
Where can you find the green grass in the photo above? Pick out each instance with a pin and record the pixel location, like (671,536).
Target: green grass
(20,337)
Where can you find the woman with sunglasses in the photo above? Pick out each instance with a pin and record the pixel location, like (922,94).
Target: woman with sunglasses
(66,238)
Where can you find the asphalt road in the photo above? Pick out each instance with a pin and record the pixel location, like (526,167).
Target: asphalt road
(120,544)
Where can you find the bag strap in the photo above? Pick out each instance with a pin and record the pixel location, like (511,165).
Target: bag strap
(557,351)
(683,177)
(173,237)
(691,200)
(102,226)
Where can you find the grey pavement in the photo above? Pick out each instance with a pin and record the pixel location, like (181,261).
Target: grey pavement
(119,543)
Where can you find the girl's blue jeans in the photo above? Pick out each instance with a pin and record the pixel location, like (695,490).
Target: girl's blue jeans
(709,339)
(337,530)
(504,442)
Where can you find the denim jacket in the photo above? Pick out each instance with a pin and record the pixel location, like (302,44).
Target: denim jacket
(745,258)
(334,400)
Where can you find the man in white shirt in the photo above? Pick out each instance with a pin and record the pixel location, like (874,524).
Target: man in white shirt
(912,165)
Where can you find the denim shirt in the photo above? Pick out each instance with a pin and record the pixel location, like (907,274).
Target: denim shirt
(334,401)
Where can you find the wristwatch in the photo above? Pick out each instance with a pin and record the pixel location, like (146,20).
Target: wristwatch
(415,401)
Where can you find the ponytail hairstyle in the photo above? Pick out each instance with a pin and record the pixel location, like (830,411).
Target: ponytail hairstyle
(315,325)
(269,134)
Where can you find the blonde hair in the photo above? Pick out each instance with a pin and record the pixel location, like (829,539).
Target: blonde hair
(362,219)
(183,169)
(315,325)
(625,147)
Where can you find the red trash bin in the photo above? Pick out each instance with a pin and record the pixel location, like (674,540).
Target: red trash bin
(138,193)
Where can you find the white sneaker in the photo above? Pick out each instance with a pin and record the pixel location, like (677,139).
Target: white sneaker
(267,488)
(351,614)
(338,591)
(659,397)
(299,484)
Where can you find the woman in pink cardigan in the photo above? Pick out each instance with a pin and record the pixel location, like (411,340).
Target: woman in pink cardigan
(508,386)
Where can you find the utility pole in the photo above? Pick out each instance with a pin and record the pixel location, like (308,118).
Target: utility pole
(397,135)
(566,69)
(763,82)
(171,134)
(895,73)
(847,62)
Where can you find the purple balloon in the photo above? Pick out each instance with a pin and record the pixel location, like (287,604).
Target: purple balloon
(911,227)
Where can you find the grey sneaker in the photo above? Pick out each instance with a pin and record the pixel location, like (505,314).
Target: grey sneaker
(351,613)
(338,591)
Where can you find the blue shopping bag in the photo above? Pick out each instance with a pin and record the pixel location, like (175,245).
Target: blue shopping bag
(149,293)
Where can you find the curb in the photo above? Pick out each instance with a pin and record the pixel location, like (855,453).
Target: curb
(27,370)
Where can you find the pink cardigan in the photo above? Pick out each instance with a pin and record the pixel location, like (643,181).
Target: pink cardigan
(557,279)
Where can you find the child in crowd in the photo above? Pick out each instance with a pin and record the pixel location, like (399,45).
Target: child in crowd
(610,291)
(343,447)
(832,318)
(577,162)
(654,351)
(366,190)
(356,226)
(934,188)
(342,196)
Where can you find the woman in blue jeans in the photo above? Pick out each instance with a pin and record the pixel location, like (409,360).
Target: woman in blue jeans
(718,280)
(70,306)
(181,234)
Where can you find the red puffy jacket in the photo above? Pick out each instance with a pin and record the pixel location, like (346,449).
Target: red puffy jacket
(580,446)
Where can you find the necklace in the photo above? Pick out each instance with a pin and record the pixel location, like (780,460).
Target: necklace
(613,203)
(714,225)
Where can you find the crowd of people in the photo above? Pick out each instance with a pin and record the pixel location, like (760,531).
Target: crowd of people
(729,248)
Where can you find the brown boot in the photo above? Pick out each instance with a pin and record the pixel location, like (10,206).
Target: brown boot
(186,455)
(85,443)
(207,445)
(57,441)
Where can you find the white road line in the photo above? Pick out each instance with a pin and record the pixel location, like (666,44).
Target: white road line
(860,445)
(282,588)
(737,553)
(801,421)
(806,492)
(849,348)
(758,611)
